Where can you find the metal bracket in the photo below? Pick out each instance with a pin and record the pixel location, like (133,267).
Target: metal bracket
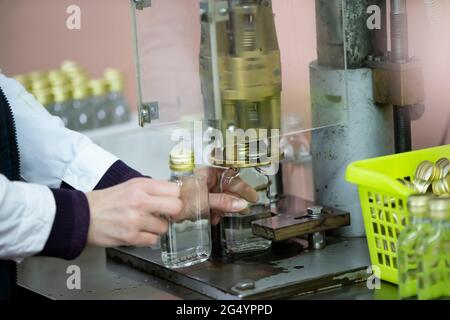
(148,112)
(215,12)
(400,84)
(142,4)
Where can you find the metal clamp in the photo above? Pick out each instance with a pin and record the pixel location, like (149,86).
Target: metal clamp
(148,112)
(142,4)
(399,84)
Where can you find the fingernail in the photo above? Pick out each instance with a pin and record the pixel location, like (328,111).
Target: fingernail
(239,205)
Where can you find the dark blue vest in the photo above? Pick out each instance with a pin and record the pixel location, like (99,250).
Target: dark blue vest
(9,167)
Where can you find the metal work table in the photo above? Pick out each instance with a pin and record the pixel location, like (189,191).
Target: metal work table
(102,278)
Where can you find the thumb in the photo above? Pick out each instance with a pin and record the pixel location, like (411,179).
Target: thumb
(226,203)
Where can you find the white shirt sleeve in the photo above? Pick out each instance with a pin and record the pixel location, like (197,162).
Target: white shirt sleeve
(49,152)
(27,212)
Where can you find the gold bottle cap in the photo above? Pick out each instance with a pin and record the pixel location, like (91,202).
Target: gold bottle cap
(443,166)
(440,208)
(39,84)
(418,205)
(69,66)
(441,187)
(81,91)
(98,87)
(45,97)
(182,160)
(115,85)
(425,175)
(112,73)
(62,94)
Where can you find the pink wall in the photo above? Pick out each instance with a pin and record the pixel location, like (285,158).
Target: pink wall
(33,36)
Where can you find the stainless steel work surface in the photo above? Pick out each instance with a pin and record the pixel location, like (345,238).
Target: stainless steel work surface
(106,279)
(284,271)
(100,279)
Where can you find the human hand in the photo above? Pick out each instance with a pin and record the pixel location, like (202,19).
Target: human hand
(235,196)
(132,213)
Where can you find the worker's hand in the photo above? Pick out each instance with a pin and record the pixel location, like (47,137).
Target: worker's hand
(235,198)
(130,214)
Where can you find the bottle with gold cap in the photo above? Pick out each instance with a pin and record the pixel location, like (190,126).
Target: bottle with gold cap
(62,106)
(84,115)
(100,102)
(188,240)
(434,254)
(118,105)
(408,242)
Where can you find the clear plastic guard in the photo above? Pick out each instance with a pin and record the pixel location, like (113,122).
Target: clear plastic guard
(168,38)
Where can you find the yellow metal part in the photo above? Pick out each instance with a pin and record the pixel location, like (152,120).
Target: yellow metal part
(249,67)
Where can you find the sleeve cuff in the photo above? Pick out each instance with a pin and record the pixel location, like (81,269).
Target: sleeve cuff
(69,232)
(118,173)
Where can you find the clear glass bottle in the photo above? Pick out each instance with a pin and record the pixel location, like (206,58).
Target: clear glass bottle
(63,105)
(100,103)
(119,107)
(236,229)
(83,116)
(434,254)
(188,241)
(408,243)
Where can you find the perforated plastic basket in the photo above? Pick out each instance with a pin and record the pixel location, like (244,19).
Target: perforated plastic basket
(384,202)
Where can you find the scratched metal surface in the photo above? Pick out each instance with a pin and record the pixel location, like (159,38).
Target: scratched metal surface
(284,271)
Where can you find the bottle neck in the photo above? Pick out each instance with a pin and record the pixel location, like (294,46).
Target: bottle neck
(181,174)
(420,219)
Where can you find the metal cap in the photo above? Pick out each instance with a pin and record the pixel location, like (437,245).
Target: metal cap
(443,166)
(98,87)
(440,208)
(418,205)
(81,91)
(62,94)
(182,160)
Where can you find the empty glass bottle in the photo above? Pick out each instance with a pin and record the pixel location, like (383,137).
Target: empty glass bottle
(188,240)
(434,254)
(236,229)
(119,108)
(63,104)
(408,243)
(100,103)
(83,114)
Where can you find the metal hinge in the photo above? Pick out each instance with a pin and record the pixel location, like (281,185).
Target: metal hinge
(142,4)
(149,112)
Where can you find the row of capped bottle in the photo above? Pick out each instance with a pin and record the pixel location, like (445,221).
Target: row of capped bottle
(81,102)
(424,249)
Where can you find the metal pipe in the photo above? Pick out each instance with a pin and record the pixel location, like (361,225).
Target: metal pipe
(399,32)
(400,54)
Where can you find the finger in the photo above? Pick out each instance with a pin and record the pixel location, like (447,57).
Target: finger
(160,188)
(146,239)
(167,206)
(243,190)
(226,203)
(216,216)
(154,224)
(211,175)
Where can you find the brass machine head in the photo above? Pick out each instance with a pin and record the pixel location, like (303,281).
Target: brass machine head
(240,44)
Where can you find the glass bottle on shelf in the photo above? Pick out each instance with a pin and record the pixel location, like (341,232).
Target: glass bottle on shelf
(100,103)
(63,104)
(119,107)
(188,241)
(84,117)
(408,243)
(434,254)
